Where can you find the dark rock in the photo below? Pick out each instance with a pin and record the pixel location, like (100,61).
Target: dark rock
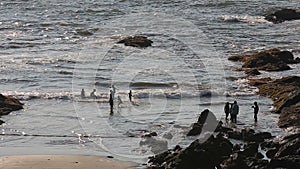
(236,161)
(159,159)
(283,15)
(236,148)
(259,155)
(247,132)
(290,162)
(235,58)
(269,144)
(136,41)
(235,135)
(259,137)
(271,153)
(197,155)
(207,121)
(196,129)
(269,60)
(250,150)
(289,116)
(290,137)
(9,104)
(290,148)
(254,163)
(252,72)
(1,122)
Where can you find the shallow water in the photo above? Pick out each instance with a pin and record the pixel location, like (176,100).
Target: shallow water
(50,50)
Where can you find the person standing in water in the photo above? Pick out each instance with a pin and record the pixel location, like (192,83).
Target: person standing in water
(227,109)
(234,112)
(130,95)
(82,94)
(256,108)
(111,103)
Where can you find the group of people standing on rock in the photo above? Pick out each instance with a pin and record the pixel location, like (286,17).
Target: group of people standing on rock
(112,92)
(232,109)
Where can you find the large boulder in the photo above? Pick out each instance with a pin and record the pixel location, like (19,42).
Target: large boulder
(283,15)
(9,104)
(268,60)
(207,121)
(136,41)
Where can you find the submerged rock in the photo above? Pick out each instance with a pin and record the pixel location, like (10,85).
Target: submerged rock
(9,104)
(283,15)
(136,41)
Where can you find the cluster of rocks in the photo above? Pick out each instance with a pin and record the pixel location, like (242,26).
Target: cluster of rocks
(136,41)
(268,60)
(8,104)
(285,93)
(283,15)
(217,151)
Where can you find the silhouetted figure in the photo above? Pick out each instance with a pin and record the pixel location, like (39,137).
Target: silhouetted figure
(113,91)
(234,112)
(82,94)
(130,95)
(93,95)
(111,103)
(119,101)
(256,108)
(227,109)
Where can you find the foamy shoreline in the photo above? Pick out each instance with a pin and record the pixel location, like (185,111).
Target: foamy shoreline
(62,162)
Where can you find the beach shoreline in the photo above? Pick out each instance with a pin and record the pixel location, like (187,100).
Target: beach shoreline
(62,162)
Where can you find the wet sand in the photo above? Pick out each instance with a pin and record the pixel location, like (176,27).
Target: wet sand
(61,162)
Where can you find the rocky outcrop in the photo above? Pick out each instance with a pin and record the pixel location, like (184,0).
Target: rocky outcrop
(136,41)
(288,153)
(198,155)
(283,15)
(9,104)
(285,93)
(219,152)
(207,121)
(268,60)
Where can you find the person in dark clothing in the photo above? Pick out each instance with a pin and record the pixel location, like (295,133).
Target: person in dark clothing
(111,103)
(234,112)
(256,108)
(130,95)
(227,109)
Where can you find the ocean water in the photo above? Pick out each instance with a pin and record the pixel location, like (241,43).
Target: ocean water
(50,50)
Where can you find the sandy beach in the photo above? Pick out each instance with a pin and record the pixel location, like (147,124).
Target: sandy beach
(61,162)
